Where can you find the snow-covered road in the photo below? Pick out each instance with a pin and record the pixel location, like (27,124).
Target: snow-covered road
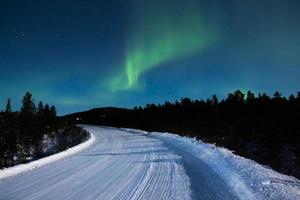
(124,164)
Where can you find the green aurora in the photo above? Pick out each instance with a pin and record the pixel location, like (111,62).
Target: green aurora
(79,55)
(160,33)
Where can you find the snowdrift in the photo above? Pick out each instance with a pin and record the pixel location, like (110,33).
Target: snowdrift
(22,168)
(248,179)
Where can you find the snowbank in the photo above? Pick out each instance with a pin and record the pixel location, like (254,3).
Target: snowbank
(22,168)
(246,177)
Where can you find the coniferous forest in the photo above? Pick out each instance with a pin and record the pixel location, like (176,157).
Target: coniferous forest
(260,127)
(33,132)
(21,133)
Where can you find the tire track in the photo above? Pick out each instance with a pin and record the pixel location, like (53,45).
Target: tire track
(120,165)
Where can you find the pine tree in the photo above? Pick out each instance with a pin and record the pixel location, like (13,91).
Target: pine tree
(239,96)
(250,97)
(28,106)
(292,98)
(277,95)
(53,123)
(27,123)
(8,106)
(53,111)
(9,131)
(214,100)
(40,109)
(40,129)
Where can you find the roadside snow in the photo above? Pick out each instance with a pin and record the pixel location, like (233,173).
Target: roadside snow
(247,178)
(22,168)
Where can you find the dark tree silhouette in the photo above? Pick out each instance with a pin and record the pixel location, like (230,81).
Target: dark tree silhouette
(21,133)
(8,106)
(258,127)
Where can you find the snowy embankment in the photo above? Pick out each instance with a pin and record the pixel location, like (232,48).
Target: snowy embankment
(22,168)
(247,178)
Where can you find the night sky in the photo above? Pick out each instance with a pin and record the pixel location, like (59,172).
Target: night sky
(79,54)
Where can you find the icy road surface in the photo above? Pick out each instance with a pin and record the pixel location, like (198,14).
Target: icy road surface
(128,164)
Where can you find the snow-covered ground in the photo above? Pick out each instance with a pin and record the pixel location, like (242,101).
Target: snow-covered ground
(245,178)
(23,168)
(131,164)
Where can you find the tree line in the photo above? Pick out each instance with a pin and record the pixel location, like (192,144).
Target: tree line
(260,127)
(22,132)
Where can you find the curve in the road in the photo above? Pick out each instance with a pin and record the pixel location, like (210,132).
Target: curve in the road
(119,165)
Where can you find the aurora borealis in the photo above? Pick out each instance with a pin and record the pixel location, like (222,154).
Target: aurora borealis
(161,33)
(83,54)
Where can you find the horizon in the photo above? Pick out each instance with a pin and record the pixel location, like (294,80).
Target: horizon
(271,95)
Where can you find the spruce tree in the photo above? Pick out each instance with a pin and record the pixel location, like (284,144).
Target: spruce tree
(250,97)
(28,106)
(8,106)
(27,123)
(214,100)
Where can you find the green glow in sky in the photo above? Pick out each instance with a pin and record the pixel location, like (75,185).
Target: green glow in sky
(160,32)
